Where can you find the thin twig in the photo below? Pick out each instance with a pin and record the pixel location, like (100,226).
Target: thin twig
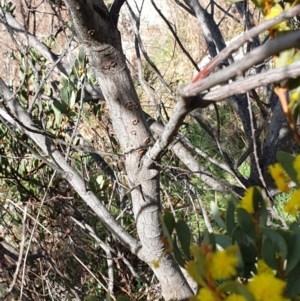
(175,36)
(33,231)
(145,54)
(22,243)
(205,215)
(47,76)
(255,153)
(74,133)
(33,218)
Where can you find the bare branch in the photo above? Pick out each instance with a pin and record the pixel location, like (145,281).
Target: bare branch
(252,82)
(70,174)
(10,21)
(115,10)
(256,56)
(144,52)
(192,164)
(207,25)
(249,35)
(20,252)
(175,36)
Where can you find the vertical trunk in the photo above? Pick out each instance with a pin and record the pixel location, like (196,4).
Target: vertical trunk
(102,42)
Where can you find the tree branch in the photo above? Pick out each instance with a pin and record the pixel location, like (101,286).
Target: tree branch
(256,56)
(115,10)
(69,173)
(9,21)
(252,82)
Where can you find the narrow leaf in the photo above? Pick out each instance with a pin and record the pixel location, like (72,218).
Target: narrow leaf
(236,288)
(229,221)
(268,253)
(169,221)
(184,237)
(222,240)
(293,282)
(177,253)
(277,240)
(246,223)
(209,239)
(293,256)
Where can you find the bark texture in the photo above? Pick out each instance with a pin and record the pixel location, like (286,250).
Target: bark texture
(98,32)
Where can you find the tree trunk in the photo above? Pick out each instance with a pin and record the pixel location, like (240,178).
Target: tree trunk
(102,42)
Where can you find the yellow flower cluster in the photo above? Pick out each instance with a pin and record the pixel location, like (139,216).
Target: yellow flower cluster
(246,202)
(207,295)
(282,180)
(263,268)
(223,263)
(280,177)
(293,205)
(235,297)
(266,287)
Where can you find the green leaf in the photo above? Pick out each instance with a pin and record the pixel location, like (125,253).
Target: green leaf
(294,247)
(284,58)
(209,239)
(287,161)
(246,223)
(268,253)
(60,107)
(64,94)
(193,270)
(71,84)
(22,168)
(293,282)
(168,224)
(177,253)
(184,237)
(81,56)
(249,257)
(229,220)
(236,288)
(260,204)
(101,181)
(277,240)
(222,240)
(238,235)
(169,221)
(216,214)
(199,259)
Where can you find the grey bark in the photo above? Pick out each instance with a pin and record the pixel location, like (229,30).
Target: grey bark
(102,42)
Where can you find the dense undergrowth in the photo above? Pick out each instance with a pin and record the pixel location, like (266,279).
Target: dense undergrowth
(69,251)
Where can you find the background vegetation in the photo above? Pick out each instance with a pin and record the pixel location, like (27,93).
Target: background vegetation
(53,244)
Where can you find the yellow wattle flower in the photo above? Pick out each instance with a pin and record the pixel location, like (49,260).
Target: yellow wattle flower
(207,295)
(223,264)
(262,268)
(274,11)
(266,287)
(280,177)
(235,297)
(293,205)
(246,202)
